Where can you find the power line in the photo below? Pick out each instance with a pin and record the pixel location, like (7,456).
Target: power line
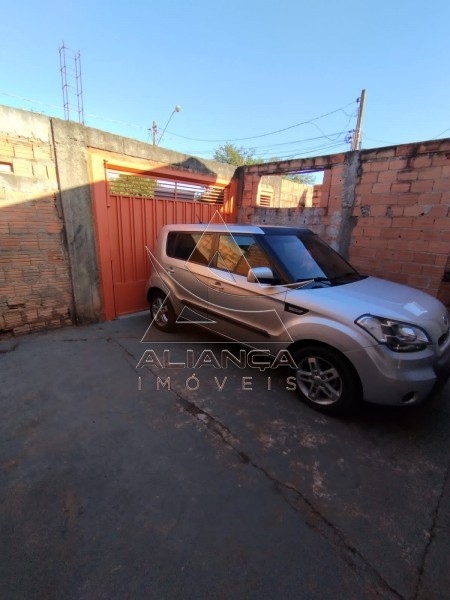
(332,137)
(304,148)
(32,101)
(267,146)
(127,124)
(254,137)
(315,150)
(366,137)
(295,153)
(439,134)
(61,108)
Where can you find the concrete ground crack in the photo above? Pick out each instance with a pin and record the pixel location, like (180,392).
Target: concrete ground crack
(212,424)
(320,524)
(296,500)
(110,340)
(431,534)
(300,504)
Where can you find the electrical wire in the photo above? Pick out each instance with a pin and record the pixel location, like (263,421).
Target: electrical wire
(269,149)
(267,146)
(315,150)
(312,139)
(31,101)
(295,153)
(375,140)
(61,108)
(439,134)
(332,137)
(254,137)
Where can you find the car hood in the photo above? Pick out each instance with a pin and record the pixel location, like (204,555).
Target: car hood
(376,297)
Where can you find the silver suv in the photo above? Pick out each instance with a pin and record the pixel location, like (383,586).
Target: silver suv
(350,337)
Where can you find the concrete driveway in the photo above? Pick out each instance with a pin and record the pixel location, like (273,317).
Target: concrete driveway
(113,488)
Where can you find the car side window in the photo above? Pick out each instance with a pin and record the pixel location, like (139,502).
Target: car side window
(192,247)
(238,253)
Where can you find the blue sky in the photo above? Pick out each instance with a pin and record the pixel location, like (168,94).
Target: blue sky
(238,69)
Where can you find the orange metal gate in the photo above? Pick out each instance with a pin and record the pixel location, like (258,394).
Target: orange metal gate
(133,224)
(128,218)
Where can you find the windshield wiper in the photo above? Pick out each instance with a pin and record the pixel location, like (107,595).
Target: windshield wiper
(329,280)
(347,274)
(314,279)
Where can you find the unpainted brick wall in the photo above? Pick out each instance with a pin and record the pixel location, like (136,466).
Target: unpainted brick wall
(294,194)
(35,286)
(323,217)
(315,219)
(402,215)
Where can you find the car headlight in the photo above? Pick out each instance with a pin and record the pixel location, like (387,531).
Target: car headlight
(398,336)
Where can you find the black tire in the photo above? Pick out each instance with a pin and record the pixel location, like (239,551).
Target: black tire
(325,380)
(161,311)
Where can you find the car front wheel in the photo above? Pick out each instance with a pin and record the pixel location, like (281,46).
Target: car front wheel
(325,380)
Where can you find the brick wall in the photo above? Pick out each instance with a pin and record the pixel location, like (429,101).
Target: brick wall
(402,214)
(312,218)
(387,209)
(323,215)
(35,287)
(50,274)
(280,192)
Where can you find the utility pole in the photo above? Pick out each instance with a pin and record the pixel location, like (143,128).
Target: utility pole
(356,145)
(155,132)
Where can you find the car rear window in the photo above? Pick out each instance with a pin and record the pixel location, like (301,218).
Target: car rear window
(192,247)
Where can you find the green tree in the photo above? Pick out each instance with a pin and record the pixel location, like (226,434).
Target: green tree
(305,178)
(234,155)
(239,156)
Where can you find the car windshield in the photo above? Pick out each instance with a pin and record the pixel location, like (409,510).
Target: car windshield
(308,257)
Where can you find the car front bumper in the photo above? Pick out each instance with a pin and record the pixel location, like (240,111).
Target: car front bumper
(396,379)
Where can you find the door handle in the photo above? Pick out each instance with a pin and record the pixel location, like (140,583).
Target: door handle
(218,285)
(170,270)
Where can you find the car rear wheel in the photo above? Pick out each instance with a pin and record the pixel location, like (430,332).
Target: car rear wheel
(325,380)
(161,311)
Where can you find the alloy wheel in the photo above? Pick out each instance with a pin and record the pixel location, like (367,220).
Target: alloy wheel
(319,380)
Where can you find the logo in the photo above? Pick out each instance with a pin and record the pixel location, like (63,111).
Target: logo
(218,294)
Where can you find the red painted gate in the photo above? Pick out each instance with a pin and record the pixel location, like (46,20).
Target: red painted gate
(131,204)
(133,224)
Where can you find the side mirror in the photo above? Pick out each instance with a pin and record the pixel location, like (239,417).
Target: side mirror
(261,275)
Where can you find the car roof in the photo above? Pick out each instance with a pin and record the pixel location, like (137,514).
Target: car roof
(282,229)
(235,228)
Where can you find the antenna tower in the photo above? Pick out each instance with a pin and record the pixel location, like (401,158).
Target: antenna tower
(72,87)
